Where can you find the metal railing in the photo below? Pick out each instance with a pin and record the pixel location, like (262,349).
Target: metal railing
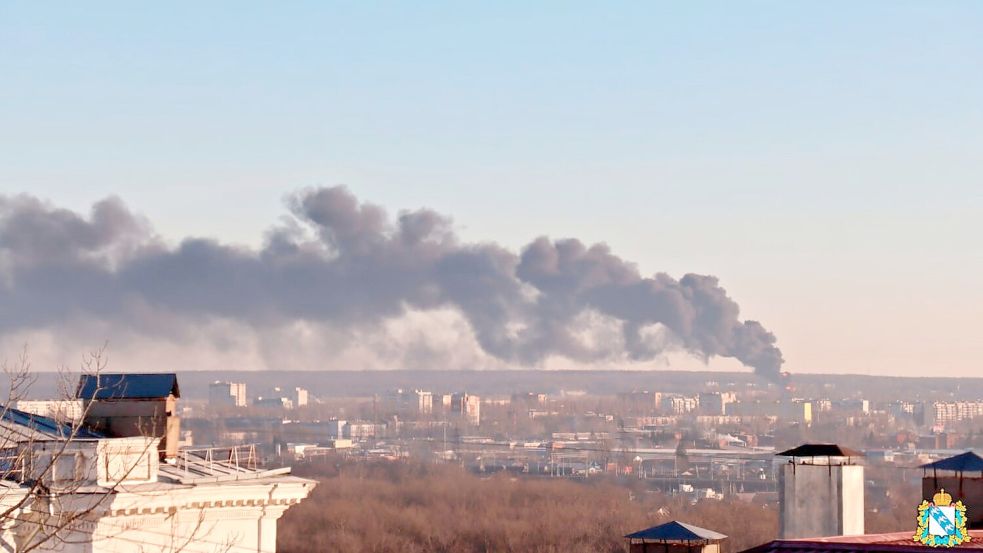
(219,459)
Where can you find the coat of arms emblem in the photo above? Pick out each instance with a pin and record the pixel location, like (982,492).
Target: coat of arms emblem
(942,523)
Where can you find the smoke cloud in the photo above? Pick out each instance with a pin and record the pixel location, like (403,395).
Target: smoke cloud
(336,269)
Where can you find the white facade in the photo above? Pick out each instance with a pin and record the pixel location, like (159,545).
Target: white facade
(300,397)
(128,502)
(468,406)
(114,495)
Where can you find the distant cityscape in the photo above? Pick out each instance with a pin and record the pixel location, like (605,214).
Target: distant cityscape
(717,440)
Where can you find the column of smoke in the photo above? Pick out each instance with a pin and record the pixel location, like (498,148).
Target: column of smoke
(337,260)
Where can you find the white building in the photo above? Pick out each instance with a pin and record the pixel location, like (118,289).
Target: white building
(943,412)
(679,405)
(467,406)
(114,494)
(283,399)
(300,397)
(227,393)
(64,410)
(406,402)
(715,403)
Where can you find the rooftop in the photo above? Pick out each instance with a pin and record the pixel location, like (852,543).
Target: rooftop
(894,542)
(675,531)
(964,462)
(127,386)
(44,427)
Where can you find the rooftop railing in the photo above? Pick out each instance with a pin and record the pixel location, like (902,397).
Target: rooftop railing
(218,460)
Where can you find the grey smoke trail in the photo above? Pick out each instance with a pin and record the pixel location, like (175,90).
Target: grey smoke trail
(345,262)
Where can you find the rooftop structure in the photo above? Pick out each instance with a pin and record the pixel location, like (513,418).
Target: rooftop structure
(964,462)
(962,477)
(114,494)
(130,405)
(821,492)
(674,537)
(818,451)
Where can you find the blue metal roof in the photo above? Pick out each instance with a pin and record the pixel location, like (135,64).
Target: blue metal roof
(46,425)
(964,462)
(127,386)
(675,531)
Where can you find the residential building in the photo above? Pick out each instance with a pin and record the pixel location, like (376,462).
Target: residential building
(467,406)
(277,402)
(406,402)
(230,394)
(946,412)
(679,405)
(300,397)
(715,403)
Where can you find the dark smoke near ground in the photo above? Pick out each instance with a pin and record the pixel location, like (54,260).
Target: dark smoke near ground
(337,260)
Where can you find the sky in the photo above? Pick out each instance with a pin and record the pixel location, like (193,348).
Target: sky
(821,159)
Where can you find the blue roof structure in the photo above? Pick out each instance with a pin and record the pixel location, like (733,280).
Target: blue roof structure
(675,531)
(45,425)
(964,462)
(127,386)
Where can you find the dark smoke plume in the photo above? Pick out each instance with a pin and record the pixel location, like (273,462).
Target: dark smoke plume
(344,262)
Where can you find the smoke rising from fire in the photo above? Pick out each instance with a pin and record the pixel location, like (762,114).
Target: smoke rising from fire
(337,261)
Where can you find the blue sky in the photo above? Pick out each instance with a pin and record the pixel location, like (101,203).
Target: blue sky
(823,159)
